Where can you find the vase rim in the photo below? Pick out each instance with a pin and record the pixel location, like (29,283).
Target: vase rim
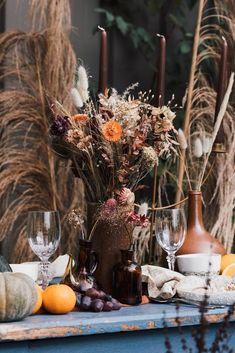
(85,242)
(195,192)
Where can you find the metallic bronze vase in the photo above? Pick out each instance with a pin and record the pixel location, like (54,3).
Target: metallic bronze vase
(198,240)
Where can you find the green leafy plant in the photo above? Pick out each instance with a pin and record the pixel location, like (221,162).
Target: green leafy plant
(172,16)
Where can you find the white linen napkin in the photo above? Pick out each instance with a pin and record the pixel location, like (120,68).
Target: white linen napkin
(162,283)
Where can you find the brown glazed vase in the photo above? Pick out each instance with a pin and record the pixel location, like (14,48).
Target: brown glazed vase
(107,241)
(198,240)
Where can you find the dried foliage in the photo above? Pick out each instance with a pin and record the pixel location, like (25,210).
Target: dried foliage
(115,145)
(31,177)
(219,187)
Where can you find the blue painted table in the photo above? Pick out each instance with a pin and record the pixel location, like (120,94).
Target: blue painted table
(132,329)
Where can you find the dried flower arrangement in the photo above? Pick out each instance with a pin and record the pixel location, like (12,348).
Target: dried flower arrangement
(113,144)
(116,144)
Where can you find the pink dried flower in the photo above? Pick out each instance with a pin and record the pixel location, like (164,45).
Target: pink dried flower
(108,208)
(144,221)
(126,197)
(137,219)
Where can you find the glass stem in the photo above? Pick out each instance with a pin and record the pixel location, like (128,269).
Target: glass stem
(171,260)
(44,270)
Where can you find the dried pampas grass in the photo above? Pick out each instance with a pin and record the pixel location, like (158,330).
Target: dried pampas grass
(34,64)
(218,187)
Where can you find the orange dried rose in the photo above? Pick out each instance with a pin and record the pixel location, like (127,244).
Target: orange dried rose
(79,118)
(112,131)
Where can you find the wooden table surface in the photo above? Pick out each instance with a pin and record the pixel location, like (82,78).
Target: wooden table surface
(37,333)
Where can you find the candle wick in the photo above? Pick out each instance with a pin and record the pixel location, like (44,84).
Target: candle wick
(160,35)
(101,28)
(224,40)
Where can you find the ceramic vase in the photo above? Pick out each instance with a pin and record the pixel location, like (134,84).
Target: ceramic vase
(198,240)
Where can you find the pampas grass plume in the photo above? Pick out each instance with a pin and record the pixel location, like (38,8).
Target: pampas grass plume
(84,94)
(82,84)
(182,140)
(197,148)
(77,100)
(82,78)
(206,144)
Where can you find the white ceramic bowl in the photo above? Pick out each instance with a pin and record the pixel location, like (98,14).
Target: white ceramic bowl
(30,269)
(199,264)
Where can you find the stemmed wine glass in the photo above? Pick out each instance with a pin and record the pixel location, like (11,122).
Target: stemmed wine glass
(170,232)
(44,231)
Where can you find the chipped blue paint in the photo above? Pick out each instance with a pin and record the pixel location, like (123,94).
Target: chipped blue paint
(110,331)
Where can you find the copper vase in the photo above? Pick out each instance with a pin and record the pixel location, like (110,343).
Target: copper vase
(198,240)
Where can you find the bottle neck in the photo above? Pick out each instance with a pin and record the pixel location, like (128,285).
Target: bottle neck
(127,256)
(195,210)
(84,253)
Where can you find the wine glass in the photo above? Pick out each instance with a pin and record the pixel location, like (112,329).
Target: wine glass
(44,233)
(170,232)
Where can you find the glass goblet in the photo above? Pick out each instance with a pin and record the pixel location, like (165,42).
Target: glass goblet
(170,232)
(44,231)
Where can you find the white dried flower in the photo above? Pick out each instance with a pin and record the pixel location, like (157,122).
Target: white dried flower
(149,156)
(75,218)
(77,100)
(206,144)
(164,112)
(143,209)
(197,148)
(82,82)
(182,139)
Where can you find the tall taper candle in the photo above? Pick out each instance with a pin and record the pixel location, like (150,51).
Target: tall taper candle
(159,101)
(160,92)
(222,81)
(103,67)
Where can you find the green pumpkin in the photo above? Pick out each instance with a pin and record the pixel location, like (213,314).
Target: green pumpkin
(18,296)
(4,265)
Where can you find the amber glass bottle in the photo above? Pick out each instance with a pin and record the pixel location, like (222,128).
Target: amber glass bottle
(127,286)
(80,276)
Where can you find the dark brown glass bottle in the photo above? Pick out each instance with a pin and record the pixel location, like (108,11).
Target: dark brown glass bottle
(127,286)
(79,277)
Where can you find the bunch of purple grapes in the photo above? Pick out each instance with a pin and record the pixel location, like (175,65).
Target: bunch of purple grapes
(96,300)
